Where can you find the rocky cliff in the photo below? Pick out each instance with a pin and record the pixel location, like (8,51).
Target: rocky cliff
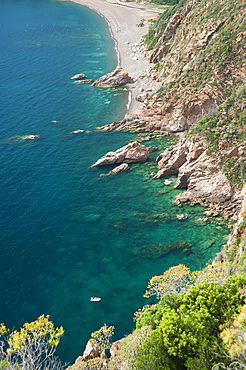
(199,48)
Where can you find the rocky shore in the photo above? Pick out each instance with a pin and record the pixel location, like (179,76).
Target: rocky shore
(164,110)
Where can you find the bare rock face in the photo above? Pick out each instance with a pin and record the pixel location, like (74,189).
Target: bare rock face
(197,172)
(207,186)
(92,350)
(169,116)
(170,30)
(131,153)
(159,53)
(171,160)
(115,347)
(142,97)
(116,78)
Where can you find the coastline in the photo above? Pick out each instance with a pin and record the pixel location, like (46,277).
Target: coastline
(123,20)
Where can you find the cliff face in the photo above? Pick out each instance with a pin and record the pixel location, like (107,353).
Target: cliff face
(199,48)
(200,61)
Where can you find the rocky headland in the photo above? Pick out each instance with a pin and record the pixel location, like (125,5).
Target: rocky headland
(199,74)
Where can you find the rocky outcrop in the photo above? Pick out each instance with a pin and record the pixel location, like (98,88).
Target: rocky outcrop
(116,78)
(93,358)
(92,350)
(115,347)
(206,185)
(121,168)
(142,97)
(130,153)
(156,115)
(135,123)
(79,76)
(159,53)
(171,160)
(171,116)
(201,175)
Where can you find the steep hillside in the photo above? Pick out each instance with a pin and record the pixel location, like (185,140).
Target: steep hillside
(199,76)
(200,61)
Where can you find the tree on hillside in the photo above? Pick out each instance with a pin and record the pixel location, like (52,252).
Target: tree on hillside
(234,339)
(187,327)
(32,347)
(175,279)
(103,336)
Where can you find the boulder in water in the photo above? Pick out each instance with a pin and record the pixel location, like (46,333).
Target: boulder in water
(116,78)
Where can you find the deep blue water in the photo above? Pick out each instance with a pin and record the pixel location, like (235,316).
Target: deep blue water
(66,232)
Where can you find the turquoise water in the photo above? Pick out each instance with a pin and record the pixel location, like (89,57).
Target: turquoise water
(66,232)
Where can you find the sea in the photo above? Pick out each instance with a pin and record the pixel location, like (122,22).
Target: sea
(67,230)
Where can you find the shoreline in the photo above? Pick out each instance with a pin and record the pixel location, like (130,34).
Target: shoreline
(122,20)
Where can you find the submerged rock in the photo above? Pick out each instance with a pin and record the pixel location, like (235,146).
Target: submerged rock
(159,250)
(118,77)
(84,81)
(130,153)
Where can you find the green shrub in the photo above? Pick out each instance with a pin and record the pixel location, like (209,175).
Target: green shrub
(190,324)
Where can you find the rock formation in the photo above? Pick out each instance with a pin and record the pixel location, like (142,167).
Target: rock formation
(79,76)
(84,81)
(92,350)
(194,77)
(115,347)
(116,78)
(130,153)
(201,175)
(121,168)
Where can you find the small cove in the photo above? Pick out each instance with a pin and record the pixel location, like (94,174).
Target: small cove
(68,233)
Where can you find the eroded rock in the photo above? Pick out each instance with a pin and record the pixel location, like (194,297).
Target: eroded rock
(115,347)
(200,174)
(78,76)
(116,78)
(121,168)
(130,153)
(92,350)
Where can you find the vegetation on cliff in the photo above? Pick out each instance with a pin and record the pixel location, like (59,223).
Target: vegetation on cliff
(199,327)
(32,347)
(198,48)
(227,129)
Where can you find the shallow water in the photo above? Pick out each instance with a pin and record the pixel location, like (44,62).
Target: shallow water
(68,233)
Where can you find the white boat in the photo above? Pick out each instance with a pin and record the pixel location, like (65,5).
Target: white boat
(95,299)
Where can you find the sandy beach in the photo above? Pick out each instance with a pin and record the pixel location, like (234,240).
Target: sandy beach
(123,20)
